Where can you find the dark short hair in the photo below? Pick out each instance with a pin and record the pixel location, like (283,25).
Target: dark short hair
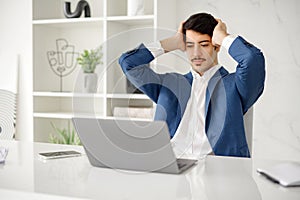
(203,23)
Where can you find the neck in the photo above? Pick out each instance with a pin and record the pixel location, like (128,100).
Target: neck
(214,64)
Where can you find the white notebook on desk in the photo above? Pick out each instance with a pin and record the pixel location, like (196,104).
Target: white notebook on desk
(286,174)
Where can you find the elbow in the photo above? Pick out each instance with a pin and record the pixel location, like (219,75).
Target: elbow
(124,65)
(261,68)
(259,73)
(256,65)
(260,59)
(136,57)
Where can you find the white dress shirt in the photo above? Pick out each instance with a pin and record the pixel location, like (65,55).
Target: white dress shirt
(190,140)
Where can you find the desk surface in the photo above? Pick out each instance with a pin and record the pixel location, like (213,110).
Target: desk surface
(25,176)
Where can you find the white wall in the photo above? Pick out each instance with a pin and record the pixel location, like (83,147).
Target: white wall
(273,26)
(15,40)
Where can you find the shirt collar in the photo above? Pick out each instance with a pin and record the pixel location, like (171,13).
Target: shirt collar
(208,74)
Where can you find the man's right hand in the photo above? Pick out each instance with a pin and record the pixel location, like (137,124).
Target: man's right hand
(175,42)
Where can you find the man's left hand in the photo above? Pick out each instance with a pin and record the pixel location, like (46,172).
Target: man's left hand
(220,32)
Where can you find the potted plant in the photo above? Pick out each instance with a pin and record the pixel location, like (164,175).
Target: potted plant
(64,136)
(89,60)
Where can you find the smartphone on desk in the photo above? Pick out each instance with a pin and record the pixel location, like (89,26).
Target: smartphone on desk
(58,154)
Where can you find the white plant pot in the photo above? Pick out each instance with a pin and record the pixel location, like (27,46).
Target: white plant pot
(135,7)
(90,82)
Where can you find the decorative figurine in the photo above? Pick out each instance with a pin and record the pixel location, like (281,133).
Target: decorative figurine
(82,4)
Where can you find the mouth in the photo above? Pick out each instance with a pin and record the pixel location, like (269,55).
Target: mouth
(198,61)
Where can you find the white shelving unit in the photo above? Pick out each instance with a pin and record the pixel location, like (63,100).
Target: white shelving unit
(108,26)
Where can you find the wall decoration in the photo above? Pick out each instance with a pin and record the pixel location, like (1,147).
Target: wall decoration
(81,5)
(62,60)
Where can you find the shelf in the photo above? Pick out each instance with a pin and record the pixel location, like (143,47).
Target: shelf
(66,94)
(132,20)
(109,26)
(127,96)
(60,23)
(131,118)
(129,20)
(70,94)
(62,115)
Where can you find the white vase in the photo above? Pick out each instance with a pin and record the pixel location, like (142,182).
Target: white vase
(135,7)
(90,82)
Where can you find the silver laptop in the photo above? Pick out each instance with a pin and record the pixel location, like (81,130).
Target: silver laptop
(129,145)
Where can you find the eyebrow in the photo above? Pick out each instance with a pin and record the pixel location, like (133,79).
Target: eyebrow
(198,42)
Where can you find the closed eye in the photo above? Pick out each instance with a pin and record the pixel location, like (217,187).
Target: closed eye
(189,44)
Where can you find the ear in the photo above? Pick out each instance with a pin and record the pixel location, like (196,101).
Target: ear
(217,48)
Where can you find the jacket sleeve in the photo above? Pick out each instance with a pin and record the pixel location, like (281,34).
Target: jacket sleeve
(250,71)
(135,65)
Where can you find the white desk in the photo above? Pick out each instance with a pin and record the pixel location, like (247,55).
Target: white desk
(24,176)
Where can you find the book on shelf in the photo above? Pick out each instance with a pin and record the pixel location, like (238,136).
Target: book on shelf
(134,112)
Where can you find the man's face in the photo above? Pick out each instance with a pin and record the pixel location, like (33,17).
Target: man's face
(200,51)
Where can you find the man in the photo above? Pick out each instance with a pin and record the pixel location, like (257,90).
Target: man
(204,108)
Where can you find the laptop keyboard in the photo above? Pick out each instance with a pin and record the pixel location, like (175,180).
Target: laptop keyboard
(181,162)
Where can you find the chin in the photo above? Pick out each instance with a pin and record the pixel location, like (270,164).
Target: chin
(198,69)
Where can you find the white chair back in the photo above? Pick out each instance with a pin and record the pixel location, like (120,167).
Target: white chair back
(248,122)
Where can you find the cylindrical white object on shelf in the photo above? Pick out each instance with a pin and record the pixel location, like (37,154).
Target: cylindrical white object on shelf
(135,7)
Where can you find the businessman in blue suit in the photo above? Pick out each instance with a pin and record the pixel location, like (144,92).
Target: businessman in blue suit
(204,108)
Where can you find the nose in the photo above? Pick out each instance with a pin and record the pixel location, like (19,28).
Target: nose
(197,50)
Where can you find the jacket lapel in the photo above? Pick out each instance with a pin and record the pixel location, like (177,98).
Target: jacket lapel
(211,86)
(189,77)
(185,92)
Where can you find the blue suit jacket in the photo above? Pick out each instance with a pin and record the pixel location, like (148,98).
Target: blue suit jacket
(228,95)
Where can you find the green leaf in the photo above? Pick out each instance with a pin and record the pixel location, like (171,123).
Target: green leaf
(64,135)
(89,59)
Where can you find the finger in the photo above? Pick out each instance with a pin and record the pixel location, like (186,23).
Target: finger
(180,28)
(218,20)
